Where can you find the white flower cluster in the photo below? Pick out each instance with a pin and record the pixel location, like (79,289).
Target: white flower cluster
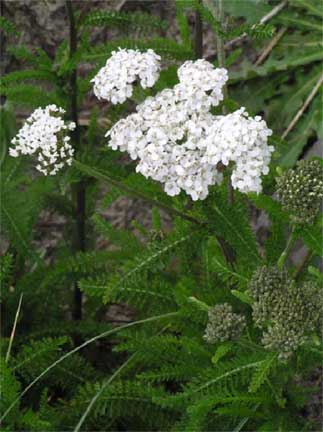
(44,134)
(180,143)
(114,82)
(241,139)
(166,130)
(199,79)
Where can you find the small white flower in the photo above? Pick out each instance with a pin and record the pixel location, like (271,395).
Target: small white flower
(179,142)
(200,77)
(114,82)
(13,152)
(241,139)
(43,135)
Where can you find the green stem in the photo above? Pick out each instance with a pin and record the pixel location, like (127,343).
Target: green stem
(290,243)
(79,189)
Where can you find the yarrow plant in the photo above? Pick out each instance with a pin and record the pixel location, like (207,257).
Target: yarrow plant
(45,134)
(180,143)
(114,82)
(221,321)
(175,137)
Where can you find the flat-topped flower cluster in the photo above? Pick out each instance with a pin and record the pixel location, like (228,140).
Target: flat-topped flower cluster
(165,132)
(45,135)
(173,135)
(180,143)
(241,139)
(114,82)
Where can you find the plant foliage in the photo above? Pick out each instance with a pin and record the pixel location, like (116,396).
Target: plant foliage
(152,283)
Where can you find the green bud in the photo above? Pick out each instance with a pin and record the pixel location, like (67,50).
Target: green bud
(288,314)
(223,324)
(300,191)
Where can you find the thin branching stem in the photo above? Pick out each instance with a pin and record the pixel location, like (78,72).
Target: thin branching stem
(245,420)
(79,190)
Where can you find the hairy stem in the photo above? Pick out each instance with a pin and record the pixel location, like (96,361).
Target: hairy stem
(79,192)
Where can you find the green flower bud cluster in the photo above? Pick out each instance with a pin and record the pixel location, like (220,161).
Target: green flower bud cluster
(282,339)
(286,312)
(300,190)
(223,324)
(313,294)
(265,287)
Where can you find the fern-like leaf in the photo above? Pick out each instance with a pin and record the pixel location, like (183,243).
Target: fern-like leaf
(162,46)
(146,260)
(262,373)
(29,95)
(133,20)
(16,76)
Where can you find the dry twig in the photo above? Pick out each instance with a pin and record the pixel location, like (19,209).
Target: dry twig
(303,108)
(267,50)
(263,20)
(13,331)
